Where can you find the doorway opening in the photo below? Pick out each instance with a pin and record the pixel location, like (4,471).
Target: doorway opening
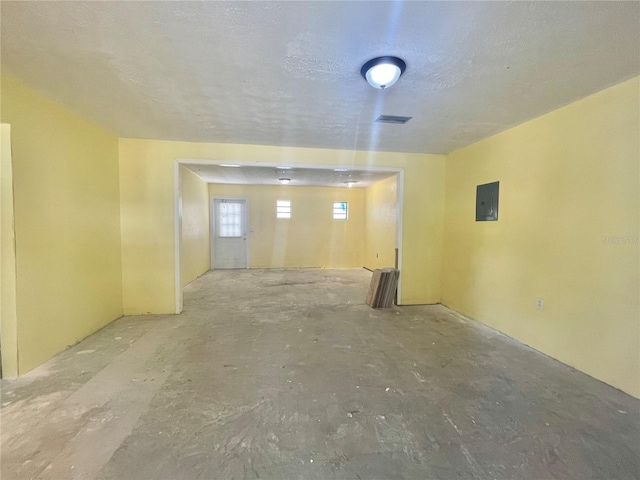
(231,193)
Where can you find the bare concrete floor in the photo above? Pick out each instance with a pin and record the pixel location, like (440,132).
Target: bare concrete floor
(283,374)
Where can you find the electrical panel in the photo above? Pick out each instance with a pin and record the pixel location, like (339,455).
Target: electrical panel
(487,202)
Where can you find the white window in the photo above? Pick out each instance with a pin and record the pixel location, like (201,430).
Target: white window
(283,209)
(339,210)
(230,219)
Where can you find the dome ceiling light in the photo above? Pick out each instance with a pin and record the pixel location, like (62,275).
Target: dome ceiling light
(284,175)
(383,72)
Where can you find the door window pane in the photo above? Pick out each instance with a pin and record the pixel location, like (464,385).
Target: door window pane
(230,219)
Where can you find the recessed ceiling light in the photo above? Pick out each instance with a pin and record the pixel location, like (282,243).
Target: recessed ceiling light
(350,183)
(228,165)
(284,181)
(383,72)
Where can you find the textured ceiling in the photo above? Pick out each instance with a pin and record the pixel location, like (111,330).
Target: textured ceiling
(299,176)
(287,73)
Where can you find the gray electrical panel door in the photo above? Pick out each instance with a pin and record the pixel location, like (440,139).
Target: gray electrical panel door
(487,202)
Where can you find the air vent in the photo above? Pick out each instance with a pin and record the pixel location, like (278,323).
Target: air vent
(393,119)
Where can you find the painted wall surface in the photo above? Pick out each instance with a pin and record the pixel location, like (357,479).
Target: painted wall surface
(380,224)
(65,178)
(146,192)
(567,233)
(8,327)
(194,247)
(311,237)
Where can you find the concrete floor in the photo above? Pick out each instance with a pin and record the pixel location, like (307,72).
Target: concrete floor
(279,374)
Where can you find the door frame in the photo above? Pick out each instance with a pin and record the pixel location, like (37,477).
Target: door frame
(177,201)
(212,224)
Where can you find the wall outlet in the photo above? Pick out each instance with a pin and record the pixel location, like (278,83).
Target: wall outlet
(539,303)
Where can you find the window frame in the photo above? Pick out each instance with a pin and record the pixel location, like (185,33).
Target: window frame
(338,212)
(283,209)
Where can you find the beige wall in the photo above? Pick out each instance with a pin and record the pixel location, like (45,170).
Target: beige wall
(65,178)
(311,237)
(146,193)
(195,251)
(567,233)
(8,325)
(380,202)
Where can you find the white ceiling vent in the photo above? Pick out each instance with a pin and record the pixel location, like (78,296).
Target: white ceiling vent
(393,119)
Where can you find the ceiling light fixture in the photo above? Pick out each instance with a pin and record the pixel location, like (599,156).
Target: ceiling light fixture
(382,72)
(350,183)
(228,165)
(340,170)
(284,181)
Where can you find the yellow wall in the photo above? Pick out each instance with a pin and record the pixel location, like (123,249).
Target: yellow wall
(567,232)
(380,224)
(568,229)
(146,192)
(195,251)
(65,178)
(311,237)
(8,326)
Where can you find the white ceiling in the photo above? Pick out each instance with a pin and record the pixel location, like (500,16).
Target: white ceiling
(299,176)
(287,73)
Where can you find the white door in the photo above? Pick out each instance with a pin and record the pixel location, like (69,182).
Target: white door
(230,233)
